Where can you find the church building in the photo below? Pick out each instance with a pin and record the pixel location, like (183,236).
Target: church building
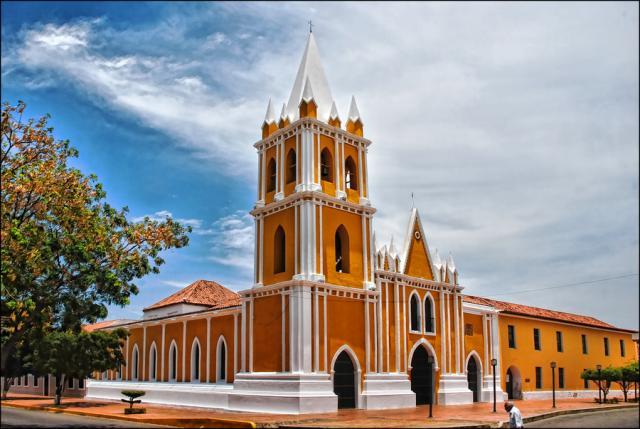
(332,319)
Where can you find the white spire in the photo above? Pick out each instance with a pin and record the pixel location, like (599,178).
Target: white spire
(392,249)
(437,262)
(334,111)
(270,116)
(311,69)
(283,113)
(354,113)
(451,266)
(307,94)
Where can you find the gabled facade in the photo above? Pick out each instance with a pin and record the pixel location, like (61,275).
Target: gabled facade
(331,320)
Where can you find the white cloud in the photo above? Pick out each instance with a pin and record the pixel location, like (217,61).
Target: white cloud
(516,126)
(233,241)
(175,283)
(161,215)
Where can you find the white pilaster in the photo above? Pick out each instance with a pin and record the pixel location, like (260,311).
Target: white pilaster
(396,298)
(316,331)
(443,345)
(184,350)
(365,263)
(366,334)
(235,344)
(208,349)
(127,360)
(279,171)
(243,360)
(144,352)
(251,334)
(296,269)
(282,333)
(162,347)
(324,336)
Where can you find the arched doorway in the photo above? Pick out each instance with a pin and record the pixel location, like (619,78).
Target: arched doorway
(472,377)
(422,375)
(344,377)
(513,383)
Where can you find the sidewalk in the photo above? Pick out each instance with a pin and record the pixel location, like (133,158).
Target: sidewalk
(474,415)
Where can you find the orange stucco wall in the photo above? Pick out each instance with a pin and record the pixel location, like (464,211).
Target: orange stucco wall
(417,264)
(286,219)
(525,358)
(267,333)
(332,218)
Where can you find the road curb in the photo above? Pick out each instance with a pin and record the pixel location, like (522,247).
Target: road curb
(204,422)
(525,420)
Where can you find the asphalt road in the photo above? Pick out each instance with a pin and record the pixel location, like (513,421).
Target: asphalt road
(626,418)
(19,418)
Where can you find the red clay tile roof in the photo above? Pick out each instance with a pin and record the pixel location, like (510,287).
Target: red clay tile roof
(543,313)
(201,292)
(104,324)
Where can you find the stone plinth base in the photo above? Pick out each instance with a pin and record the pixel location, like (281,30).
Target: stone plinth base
(382,391)
(283,393)
(454,390)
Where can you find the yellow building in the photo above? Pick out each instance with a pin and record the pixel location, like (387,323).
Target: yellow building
(332,321)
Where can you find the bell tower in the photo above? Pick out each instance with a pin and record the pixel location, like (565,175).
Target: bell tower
(313,249)
(312,214)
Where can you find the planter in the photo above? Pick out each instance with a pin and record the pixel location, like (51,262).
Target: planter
(135,410)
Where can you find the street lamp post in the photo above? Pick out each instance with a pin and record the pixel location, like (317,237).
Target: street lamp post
(553,382)
(599,368)
(494,362)
(432,393)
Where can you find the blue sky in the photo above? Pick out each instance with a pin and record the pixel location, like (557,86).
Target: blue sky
(516,127)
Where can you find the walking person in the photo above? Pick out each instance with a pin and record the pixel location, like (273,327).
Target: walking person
(515,417)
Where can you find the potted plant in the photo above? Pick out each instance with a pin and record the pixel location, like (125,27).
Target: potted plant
(133,394)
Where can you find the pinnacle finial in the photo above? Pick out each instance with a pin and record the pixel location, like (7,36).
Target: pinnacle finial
(307,93)
(334,111)
(354,113)
(310,26)
(270,116)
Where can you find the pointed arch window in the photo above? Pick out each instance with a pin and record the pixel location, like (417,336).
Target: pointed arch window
(279,251)
(221,361)
(153,362)
(414,308)
(291,166)
(342,250)
(271,175)
(134,367)
(195,361)
(173,362)
(326,165)
(429,315)
(350,174)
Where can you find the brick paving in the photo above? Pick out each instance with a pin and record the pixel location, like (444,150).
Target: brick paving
(479,414)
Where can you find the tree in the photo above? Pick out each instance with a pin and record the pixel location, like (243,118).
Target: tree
(15,368)
(66,253)
(71,355)
(602,378)
(626,376)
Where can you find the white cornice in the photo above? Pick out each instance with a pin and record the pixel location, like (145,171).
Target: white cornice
(318,197)
(321,127)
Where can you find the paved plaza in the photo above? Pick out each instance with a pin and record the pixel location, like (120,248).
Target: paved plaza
(478,414)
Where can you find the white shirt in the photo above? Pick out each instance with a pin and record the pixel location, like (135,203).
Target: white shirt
(515,418)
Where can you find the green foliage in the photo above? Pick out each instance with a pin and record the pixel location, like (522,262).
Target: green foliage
(133,394)
(66,253)
(67,354)
(624,376)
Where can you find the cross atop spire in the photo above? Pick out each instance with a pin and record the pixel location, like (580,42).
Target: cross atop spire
(311,69)
(310,26)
